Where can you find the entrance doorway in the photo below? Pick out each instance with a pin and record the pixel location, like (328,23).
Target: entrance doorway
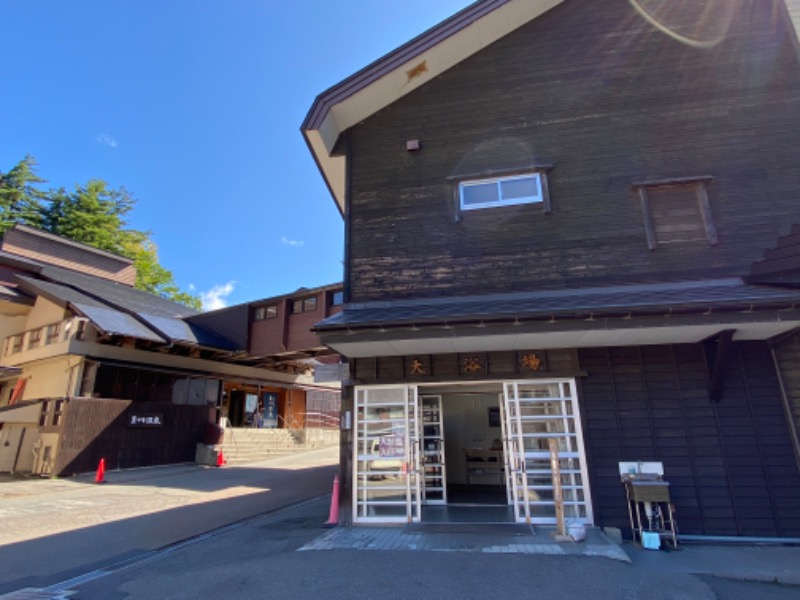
(468,452)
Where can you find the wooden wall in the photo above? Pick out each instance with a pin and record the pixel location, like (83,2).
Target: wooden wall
(608,100)
(97,428)
(291,332)
(52,250)
(731,465)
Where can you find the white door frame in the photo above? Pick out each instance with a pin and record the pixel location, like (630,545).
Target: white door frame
(515,455)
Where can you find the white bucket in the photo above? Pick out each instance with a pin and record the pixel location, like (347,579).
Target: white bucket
(577,531)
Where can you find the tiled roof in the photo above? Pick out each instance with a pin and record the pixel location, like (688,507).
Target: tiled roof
(677,296)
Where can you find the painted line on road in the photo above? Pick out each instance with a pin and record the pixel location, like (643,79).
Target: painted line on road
(67,585)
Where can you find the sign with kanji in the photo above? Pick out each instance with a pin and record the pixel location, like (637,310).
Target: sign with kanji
(531,361)
(146,420)
(392,446)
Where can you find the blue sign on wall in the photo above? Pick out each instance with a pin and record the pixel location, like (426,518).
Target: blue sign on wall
(270,410)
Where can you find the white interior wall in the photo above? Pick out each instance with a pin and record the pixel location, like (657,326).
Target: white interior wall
(466,427)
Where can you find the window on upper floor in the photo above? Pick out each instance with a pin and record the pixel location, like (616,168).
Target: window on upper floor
(501,191)
(677,211)
(265,312)
(337,298)
(302,305)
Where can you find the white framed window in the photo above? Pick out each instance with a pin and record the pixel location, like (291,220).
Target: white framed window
(501,191)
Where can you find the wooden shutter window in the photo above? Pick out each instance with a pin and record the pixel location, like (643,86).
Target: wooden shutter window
(676,211)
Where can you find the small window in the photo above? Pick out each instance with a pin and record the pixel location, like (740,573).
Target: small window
(265,312)
(304,305)
(501,191)
(337,298)
(53,331)
(34,338)
(677,212)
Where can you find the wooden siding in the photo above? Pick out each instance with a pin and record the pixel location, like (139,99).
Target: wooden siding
(731,465)
(52,251)
(290,332)
(781,263)
(592,89)
(97,428)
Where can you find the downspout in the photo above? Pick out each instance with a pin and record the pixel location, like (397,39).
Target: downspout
(787,407)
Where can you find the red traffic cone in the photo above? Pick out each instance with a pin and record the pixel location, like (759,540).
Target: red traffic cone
(220,458)
(100,477)
(333,517)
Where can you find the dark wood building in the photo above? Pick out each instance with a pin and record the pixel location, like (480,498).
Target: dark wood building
(582,216)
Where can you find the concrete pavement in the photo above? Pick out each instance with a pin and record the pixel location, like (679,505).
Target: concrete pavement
(51,529)
(123,540)
(261,559)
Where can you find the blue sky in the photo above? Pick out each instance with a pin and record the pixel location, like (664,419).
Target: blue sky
(195,107)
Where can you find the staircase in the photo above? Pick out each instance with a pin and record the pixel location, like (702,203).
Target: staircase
(242,446)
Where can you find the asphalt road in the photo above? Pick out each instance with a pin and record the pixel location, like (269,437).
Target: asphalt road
(122,540)
(261,560)
(54,530)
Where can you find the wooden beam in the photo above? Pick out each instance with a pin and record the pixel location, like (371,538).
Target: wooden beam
(721,359)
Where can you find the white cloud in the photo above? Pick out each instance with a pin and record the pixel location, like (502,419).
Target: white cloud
(293,243)
(215,297)
(106,140)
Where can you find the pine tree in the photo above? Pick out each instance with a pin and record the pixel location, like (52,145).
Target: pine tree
(21,201)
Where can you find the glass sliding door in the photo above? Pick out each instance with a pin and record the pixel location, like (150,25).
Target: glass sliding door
(534,413)
(386,461)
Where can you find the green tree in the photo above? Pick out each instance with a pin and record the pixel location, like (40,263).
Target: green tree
(93,214)
(154,278)
(21,201)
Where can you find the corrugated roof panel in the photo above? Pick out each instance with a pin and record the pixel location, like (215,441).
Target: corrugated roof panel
(182,331)
(117,323)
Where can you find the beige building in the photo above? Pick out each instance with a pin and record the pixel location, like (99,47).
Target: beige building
(76,333)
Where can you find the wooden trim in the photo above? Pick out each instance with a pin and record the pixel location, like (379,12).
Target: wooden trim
(721,360)
(705,211)
(647,219)
(673,181)
(490,173)
(347,213)
(547,206)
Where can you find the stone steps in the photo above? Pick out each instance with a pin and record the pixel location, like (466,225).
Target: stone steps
(242,446)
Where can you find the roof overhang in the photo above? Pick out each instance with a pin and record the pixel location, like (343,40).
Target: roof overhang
(627,315)
(561,333)
(402,71)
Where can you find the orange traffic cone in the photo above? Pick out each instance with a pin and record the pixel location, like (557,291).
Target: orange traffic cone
(333,517)
(220,458)
(100,477)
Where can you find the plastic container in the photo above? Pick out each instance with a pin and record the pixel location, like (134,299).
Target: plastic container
(577,531)
(651,540)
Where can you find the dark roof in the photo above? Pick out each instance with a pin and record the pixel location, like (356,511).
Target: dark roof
(106,318)
(119,309)
(119,294)
(642,298)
